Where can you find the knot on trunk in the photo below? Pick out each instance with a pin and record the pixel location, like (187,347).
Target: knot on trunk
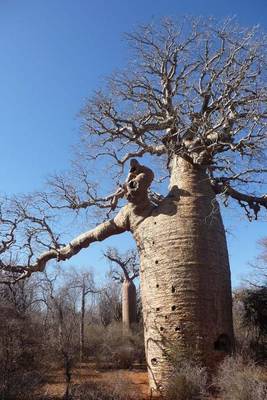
(136,185)
(137,182)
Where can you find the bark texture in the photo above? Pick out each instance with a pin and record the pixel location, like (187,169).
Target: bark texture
(185,276)
(129,313)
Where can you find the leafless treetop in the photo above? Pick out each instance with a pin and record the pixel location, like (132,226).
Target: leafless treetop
(123,266)
(195,89)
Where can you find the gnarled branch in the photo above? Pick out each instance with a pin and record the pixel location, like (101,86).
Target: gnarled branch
(248,202)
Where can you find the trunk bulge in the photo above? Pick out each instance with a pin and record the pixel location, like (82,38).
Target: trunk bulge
(185,276)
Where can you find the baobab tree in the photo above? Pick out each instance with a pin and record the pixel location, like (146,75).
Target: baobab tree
(195,96)
(124,269)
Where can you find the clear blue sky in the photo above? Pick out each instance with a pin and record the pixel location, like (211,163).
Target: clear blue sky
(53,54)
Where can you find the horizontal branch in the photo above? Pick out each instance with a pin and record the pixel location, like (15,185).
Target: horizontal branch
(248,202)
(100,233)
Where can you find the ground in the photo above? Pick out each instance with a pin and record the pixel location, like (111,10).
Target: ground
(133,381)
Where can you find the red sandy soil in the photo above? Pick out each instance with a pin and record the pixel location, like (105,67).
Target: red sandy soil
(133,381)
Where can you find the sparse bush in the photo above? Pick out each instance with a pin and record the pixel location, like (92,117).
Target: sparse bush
(189,379)
(243,334)
(255,308)
(240,380)
(94,391)
(120,351)
(93,339)
(21,350)
(249,309)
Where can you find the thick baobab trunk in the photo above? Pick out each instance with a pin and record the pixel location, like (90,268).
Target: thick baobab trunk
(128,304)
(185,277)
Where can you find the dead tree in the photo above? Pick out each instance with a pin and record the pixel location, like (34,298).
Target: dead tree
(84,283)
(258,277)
(196,96)
(109,304)
(128,271)
(63,331)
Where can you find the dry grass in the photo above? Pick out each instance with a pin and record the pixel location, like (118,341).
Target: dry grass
(236,381)
(240,380)
(117,351)
(189,382)
(94,391)
(116,386)
(135,381)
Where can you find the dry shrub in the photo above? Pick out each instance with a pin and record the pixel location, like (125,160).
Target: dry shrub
(22,386)
(96,391)
(93,339)
(122,387)
(240,380)
(119,351)
(189,381)
(21,352)
(119,358)
(249,307)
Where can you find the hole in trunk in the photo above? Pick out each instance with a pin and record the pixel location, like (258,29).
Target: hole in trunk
(173,289)
(156,262)
(154,361)
(173,308)
(161,328)
(132,184)
(158,308)
(223,343)
(157,285)
(177,328)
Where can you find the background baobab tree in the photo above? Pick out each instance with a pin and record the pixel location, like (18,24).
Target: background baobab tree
(195,95)
(125,268)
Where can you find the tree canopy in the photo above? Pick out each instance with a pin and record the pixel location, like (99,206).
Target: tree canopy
(194,88)
(197,89)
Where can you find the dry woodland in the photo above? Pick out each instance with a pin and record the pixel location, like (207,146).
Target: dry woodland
(54,344)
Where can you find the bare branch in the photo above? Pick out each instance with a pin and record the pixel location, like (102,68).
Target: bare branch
(101,232)
(248,202)
(128,263)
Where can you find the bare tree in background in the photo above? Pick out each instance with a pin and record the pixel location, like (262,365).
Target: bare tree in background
(195,95)
(22,355)
(259,267)
(62,331)
(84,283)
(109,303)
(124,269)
